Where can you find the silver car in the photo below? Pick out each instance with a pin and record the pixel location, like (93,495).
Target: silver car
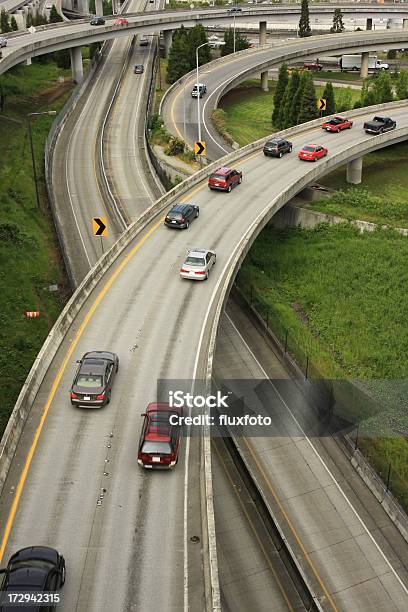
(198,264)
(3,41)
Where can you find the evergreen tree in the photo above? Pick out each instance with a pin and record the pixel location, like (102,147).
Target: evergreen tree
(383,88)
(401,85)
(304,22)
(29,20)
(4,22)
(392,54)
(55,17)
(338,25)
(283,79)
(295,106)
(368,97)
(13,24)
(197,36)
(344,100)
(308,103)
(241,42)
(283,120)
(63,58)
(179,60)
(328,95)
(286,117)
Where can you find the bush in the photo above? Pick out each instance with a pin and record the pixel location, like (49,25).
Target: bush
(175,146)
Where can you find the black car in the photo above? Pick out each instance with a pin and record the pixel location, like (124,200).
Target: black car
(35,570)
(97,21)
(139,68)
(181,215)
(94,378)
(277,147)
(234,9)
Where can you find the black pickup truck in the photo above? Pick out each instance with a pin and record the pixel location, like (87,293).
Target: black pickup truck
(379,125)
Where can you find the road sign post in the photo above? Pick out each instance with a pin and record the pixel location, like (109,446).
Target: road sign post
(321,105)
(100,228)
(200,148)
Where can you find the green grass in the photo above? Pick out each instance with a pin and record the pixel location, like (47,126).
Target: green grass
(29,255)
(248,110)
(340,296)
(341,76)
(382,196)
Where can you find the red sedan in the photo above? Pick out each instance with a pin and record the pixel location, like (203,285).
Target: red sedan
(312,152)
(337,124)
(121,21)
(159,443)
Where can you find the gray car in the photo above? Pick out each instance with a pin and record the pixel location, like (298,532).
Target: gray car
(198,264)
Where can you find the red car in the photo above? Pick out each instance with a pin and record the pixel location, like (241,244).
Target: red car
(312,66)
(121,21)
(337,124)
(224,179)
(160,438)
(312,152)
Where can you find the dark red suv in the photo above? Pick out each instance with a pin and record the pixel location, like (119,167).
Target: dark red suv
(160,438)
(224,179)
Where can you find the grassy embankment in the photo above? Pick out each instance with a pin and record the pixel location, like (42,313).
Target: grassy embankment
(29,253)
(248,109)
(342,298)
(383,195)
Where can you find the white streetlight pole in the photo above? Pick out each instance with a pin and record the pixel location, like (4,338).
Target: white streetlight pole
(198,89)
(184,109)
(234,32)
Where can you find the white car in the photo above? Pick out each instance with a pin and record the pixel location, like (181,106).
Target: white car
(199,89)
(198,264)
(3,41)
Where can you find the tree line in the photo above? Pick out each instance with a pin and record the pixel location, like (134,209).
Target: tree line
(304,28)
(182,56)
(295,99)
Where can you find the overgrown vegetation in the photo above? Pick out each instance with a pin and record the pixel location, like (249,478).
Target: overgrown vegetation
(383,195)
(29,255)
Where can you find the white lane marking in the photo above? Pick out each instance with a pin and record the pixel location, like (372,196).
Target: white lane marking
(320,459)
(105,119)
(136,115)
(203,115)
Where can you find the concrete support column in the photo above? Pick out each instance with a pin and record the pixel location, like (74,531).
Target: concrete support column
(264,81)
(369,24)
(77,67)
(168,39)
(364,65)
(262,33)
(98,8)
(27,62)
(83,7)
(354,171)
(405,24)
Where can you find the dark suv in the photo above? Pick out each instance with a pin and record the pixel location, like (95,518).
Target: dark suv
(277,147)
(181,215)
(224,179)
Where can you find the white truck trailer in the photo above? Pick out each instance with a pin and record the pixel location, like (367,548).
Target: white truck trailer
(353,62)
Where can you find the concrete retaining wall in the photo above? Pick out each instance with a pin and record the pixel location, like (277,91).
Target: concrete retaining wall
(294,215)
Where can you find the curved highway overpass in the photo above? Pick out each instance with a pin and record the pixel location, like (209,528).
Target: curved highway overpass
(161,327)
(71,35)
(222,75)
